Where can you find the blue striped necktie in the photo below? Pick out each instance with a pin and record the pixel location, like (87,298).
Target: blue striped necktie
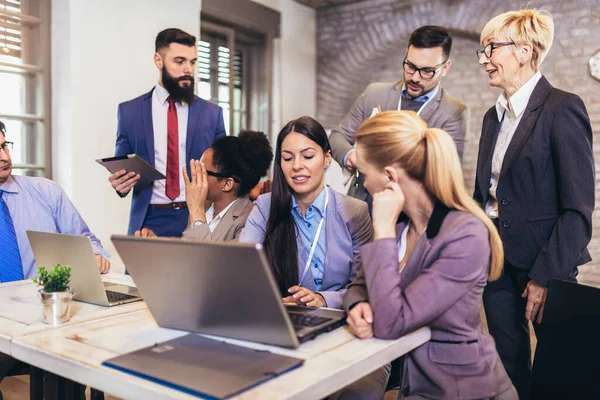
(10,257)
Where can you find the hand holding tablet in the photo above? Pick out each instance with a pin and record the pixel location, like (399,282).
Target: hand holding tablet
(129,170)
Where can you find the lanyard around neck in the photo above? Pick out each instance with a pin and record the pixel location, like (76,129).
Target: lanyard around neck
(316,239)
(420,109)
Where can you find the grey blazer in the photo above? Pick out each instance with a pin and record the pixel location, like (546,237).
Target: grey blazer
(443,111)
(230,226)
(441,286)
(347,227)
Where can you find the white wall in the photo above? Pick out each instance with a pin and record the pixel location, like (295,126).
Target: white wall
(295,61)
(295,89)
(101,56)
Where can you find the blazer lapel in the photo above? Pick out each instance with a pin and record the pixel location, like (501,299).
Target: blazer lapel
(530,115)
(489,134)
(193,114)
(391,102)
(148,127)
(230,217)
(432,106)
(414,264)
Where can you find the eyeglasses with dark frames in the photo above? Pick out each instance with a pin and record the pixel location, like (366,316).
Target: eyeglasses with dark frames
(487,50)
(6,146)
(425,72)
(223,176)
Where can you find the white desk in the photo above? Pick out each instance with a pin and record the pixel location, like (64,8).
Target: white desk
(21,310)
(94,334)
(332,360)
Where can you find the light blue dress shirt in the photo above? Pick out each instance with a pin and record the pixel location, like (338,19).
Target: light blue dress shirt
(307,231)
(39,204)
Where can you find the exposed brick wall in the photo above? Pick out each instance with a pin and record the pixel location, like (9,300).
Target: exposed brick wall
(365,42)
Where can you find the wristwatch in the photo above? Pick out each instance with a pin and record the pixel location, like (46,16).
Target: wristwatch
(196,224)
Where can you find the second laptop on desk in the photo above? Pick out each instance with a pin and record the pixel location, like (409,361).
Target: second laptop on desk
(50,249)
(217,288)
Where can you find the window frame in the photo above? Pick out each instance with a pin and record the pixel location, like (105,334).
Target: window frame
(35,64)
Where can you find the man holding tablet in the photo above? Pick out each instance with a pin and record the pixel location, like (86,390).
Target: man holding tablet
(167,127)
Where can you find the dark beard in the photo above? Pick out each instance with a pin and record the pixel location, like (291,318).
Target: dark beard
(178,93)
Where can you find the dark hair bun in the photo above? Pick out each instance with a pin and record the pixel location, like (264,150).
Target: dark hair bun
(247,157)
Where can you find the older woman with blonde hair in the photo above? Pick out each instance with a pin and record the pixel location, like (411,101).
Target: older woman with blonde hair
(433,252)
(535,180)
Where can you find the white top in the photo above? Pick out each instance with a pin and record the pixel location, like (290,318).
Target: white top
(510,111)
(160,107)
(402,243)
(213,222)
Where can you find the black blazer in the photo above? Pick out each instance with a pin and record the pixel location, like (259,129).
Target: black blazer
(546,186)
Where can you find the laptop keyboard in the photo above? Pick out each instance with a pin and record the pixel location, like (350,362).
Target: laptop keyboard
(306,320)
(114,297)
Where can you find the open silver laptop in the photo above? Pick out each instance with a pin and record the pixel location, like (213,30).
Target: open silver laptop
(218,288)
(50,249)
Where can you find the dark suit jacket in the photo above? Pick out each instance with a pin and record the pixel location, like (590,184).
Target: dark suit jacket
(546,186)
(441,287)
(443,111)
(135,134)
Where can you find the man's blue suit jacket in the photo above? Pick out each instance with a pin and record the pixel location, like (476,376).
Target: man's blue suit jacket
(135,134)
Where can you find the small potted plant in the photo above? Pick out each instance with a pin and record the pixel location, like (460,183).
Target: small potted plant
(55,293)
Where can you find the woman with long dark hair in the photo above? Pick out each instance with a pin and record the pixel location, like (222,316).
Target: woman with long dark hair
(311,233)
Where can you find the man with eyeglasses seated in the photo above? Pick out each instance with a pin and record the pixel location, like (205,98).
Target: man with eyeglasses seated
(426,62)
(38,204)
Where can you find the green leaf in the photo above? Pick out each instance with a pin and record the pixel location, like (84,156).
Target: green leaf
(55,280)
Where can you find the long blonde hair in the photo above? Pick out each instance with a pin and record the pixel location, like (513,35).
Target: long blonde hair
(427,155)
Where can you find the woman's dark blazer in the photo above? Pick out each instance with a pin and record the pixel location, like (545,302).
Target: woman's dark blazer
(546,188)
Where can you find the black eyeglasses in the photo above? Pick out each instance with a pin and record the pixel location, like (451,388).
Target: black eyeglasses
(219,175)
(6,146)
(425,72)
(487,50)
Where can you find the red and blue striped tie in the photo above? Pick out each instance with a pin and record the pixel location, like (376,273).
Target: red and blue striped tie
(10,257)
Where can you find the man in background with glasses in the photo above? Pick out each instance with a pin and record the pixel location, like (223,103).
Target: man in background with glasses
(426,62)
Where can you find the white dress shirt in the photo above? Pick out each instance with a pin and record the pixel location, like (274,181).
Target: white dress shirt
(160,108)
(213,222)
(510,111)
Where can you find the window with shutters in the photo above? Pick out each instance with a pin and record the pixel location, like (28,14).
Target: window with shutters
(25,83)
(231,73)
(214,80)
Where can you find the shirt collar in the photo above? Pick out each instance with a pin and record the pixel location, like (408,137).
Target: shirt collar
(319,203)
(211,212)
(518,101)
(161,94)
(224,211)
(10,186)
(423,98)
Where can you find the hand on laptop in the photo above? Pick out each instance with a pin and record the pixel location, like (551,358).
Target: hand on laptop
(360,320)
(304,297)
(145,232)
(103,264)
(123,181)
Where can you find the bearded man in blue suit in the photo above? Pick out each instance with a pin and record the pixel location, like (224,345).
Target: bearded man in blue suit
(167,127)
